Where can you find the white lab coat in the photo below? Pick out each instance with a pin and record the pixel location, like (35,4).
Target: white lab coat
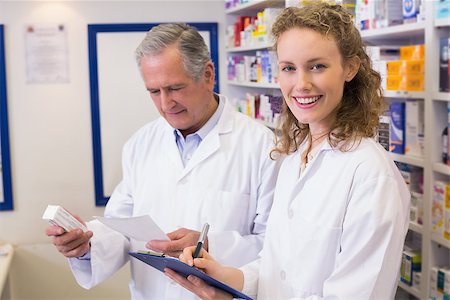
(228,182)
(335,232)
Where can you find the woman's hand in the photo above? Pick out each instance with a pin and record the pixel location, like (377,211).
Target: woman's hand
(206,263)
(198,286)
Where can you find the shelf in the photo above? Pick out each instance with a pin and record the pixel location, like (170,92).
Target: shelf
(411,290)
(255,84)
(250,48)
(440,240)
(442,22)
(6,255)
(409,31)
(254,6)
(441,96)
(407,159)
(441,168)
(416,227)
(404,94)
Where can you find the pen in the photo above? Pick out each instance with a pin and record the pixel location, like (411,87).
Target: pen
(201,240)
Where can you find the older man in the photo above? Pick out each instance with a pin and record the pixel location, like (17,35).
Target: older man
(200,162)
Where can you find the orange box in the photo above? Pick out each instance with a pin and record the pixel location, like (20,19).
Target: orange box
(394,67)
(412,83)
(393,82)
(414,52)
(406,67)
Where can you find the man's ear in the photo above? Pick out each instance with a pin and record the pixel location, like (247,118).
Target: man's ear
(352,68)
(209,75)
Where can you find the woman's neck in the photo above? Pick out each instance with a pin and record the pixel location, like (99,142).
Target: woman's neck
(317,139)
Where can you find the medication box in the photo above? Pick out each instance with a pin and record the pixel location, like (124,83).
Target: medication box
(397,128)
(413,52)
(411,262)
(57,215)
(406,67)
(412,83)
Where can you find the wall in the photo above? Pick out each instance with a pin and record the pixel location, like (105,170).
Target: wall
(50,136)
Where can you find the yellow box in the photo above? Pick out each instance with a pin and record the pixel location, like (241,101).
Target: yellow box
(412,83)
(393,82)
(394,67)
(414,52)
(406,67)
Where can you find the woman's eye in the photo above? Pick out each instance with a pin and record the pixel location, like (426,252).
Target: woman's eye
(287,69)
(318,67)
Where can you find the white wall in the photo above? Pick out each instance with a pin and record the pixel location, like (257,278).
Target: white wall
(50,135)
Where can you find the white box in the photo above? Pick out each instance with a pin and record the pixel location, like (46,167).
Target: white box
(414,128)
(57,215)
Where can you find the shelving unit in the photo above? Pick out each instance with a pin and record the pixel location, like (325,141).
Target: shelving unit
(254,84)
(413,291)
(435,250)
(416,227)
(235,89)
(258,46)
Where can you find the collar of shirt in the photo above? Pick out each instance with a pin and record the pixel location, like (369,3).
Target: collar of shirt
(313,154)
(188,145)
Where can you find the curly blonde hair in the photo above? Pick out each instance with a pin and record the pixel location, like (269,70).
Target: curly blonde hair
(362,102)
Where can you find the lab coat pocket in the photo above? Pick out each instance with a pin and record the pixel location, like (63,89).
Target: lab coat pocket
(314,249)
(226,210)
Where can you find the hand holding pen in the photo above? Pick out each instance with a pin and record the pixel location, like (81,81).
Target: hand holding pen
(201,240)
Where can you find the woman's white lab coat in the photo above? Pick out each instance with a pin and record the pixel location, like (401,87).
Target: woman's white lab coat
(228,183)
(336,231)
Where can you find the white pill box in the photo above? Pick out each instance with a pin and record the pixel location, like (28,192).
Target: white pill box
(57,215)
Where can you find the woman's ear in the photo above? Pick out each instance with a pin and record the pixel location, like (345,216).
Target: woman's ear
(352,68)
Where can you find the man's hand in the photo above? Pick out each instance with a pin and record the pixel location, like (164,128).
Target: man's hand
(74,243)
(179,239)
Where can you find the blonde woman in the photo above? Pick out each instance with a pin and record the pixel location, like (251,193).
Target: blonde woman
(340,212)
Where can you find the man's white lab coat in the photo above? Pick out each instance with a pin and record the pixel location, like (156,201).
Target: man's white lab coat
(336,231)
(228,183)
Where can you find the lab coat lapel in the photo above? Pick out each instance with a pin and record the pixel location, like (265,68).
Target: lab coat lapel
(311,168)
(211,143)
(295,182)
(170,147)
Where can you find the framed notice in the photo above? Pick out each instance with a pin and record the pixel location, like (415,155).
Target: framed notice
(120,104)
(6,199)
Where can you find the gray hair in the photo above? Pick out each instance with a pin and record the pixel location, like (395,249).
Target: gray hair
(193,49)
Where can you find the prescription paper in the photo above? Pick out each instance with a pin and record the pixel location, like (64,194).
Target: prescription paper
(141,228)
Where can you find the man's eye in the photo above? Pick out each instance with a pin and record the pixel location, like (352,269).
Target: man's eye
(175,89)
(154,92)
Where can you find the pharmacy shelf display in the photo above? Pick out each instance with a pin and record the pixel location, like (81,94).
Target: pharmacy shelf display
(434,247)
(251,65)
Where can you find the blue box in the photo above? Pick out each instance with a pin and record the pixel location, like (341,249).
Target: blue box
(397,129)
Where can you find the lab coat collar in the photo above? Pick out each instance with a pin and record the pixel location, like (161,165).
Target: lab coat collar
(209,145)
(299,181)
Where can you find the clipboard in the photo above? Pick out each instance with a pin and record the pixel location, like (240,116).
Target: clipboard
(161,262)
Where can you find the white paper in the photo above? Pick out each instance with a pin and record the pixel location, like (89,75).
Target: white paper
(141,228)
(46,53)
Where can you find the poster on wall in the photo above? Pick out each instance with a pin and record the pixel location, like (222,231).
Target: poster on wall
(46,54)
